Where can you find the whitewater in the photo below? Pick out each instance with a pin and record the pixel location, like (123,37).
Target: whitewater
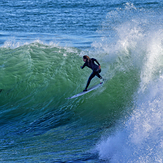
(41,52)
(138,137)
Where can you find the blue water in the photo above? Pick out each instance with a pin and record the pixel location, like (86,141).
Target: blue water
(41,48)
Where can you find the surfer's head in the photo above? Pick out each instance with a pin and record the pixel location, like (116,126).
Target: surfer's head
(86,58)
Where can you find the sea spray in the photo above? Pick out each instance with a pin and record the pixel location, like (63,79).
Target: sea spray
(137,136)
(140,140)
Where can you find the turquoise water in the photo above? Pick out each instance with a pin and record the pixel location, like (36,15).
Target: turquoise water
(42,44)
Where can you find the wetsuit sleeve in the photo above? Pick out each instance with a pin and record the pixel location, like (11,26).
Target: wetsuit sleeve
(83,66)
(96,61)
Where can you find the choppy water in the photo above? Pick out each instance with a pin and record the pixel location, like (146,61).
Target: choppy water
(42,44)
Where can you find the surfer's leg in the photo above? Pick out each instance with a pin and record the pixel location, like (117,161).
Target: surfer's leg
(89,80)
(98,75)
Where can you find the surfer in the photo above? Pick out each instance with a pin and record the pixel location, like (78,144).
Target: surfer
(90,62)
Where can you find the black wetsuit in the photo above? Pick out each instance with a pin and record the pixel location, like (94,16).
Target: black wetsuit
(95,68)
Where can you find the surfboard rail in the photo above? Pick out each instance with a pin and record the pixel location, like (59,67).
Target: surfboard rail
(85,92)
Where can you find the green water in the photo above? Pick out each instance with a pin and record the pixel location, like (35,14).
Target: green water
(36,79)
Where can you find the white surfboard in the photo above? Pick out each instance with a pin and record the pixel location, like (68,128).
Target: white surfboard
(89,90)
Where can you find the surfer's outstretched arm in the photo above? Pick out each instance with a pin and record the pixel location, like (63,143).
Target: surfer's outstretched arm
(83,66)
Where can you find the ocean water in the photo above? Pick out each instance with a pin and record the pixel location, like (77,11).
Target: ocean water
(41,48)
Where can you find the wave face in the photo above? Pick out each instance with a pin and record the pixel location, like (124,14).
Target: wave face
(36,79)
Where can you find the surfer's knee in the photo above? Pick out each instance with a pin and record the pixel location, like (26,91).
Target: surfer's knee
(91,77)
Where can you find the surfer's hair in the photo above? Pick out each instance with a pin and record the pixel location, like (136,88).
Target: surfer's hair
(86,57)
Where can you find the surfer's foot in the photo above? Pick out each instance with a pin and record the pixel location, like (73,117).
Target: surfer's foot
(102,80)
(1,90)
(84,90)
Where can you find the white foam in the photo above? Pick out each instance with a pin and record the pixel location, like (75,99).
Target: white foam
(13,44)
(153,63)
(141,139)
(138,44)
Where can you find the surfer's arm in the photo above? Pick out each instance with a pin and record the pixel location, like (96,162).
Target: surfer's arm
(97,63)
(83,66)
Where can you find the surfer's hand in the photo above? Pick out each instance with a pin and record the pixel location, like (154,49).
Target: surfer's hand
(81,67)
(99,67)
